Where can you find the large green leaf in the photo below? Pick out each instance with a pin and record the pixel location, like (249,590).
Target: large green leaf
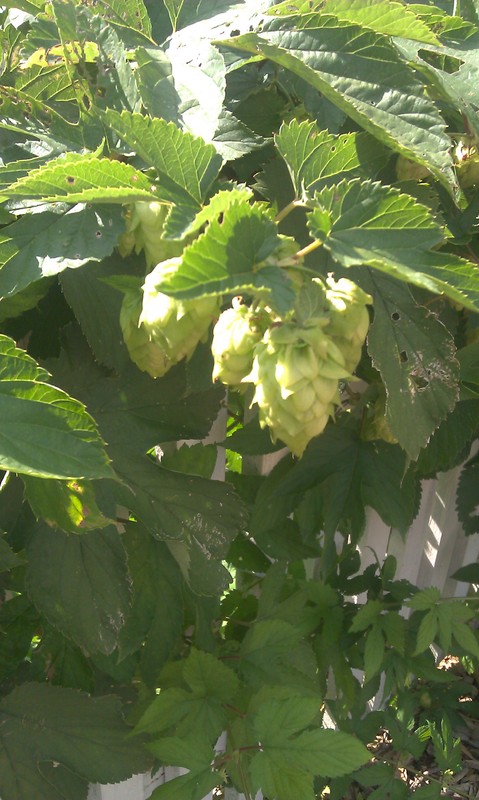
(44,431)
(450,441)
(231,257)
(383,16)
(316,158)
(355,474)
(44,244)
(80,584)
(155,620)
(415,355)
(389,101)
(290,756)
(41,723)
(361,222)
(84,179)
(186,165)
(131,14)
(68,505)
(193,752)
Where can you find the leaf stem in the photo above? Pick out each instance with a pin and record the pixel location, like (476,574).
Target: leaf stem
(286,210)
(308,249)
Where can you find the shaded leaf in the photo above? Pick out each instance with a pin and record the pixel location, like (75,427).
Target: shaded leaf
(414,353)
(50,723)
(44,244)
(80,584)
(467,497)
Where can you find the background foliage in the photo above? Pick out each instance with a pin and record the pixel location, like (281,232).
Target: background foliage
(134,587)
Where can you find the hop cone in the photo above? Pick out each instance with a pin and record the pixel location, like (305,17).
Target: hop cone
(235,335)
(146,354)
(145,222)
(296,371)
(349,318)
(176,326)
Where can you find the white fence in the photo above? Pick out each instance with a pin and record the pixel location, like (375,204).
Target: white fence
(434,548)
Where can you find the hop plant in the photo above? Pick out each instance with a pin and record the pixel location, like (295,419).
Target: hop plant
(235,335)
(146,354)
(175,326)
(295,372)
(348,318)
(145,223)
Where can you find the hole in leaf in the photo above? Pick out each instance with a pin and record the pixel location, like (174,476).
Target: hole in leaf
(395,316)
(235,32)
(98,234)
(403,357)
(70,179)
(420,382)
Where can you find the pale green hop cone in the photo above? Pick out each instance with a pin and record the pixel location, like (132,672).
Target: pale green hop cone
(349,318)
(295,372)
(235,335)
(145,223)
(144,352)
(177,326)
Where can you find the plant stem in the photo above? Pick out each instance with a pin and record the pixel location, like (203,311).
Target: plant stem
(308,249)
(286,210)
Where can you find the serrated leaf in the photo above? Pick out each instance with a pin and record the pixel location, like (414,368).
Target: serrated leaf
(415,355)
(446,446)
(425,599)
(132,14)
(383,16)
(233,139)
(206,675)
(374,650)
(154,623)
(219,203)
(199,78)
(186,165)
(427,631)
(87,735)
(316,158)
(84,179)
(68,505)
(8,558)
(231,257)
(155,83)
(467,501)
(354,474)
(40,245)
(44,431)
(195,754)
(251,440)
(366,616)
(80,584)
(465,637)
(362,222)
(390,102)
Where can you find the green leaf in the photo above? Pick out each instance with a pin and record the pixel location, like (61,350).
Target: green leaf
(44,431)
(8,558)
(48,723)
(289,759)
(427,631)
(446,446)
(266,645)
(44,244)
(68,505)
(468,574)
(374,651)
(186,165)
(155,621)
(414,354)
(425,599)
(355,474)
(231,257)
(206,675)
(174,8)
(80,584)
(196,459)
(233,139)
(367,616)
(467,506)
(316,158)
(84,179)
(361,222)
(389,102)
(383,16)
(194,753)
(131,14)
(466,638)
(251,440)
(155,83)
